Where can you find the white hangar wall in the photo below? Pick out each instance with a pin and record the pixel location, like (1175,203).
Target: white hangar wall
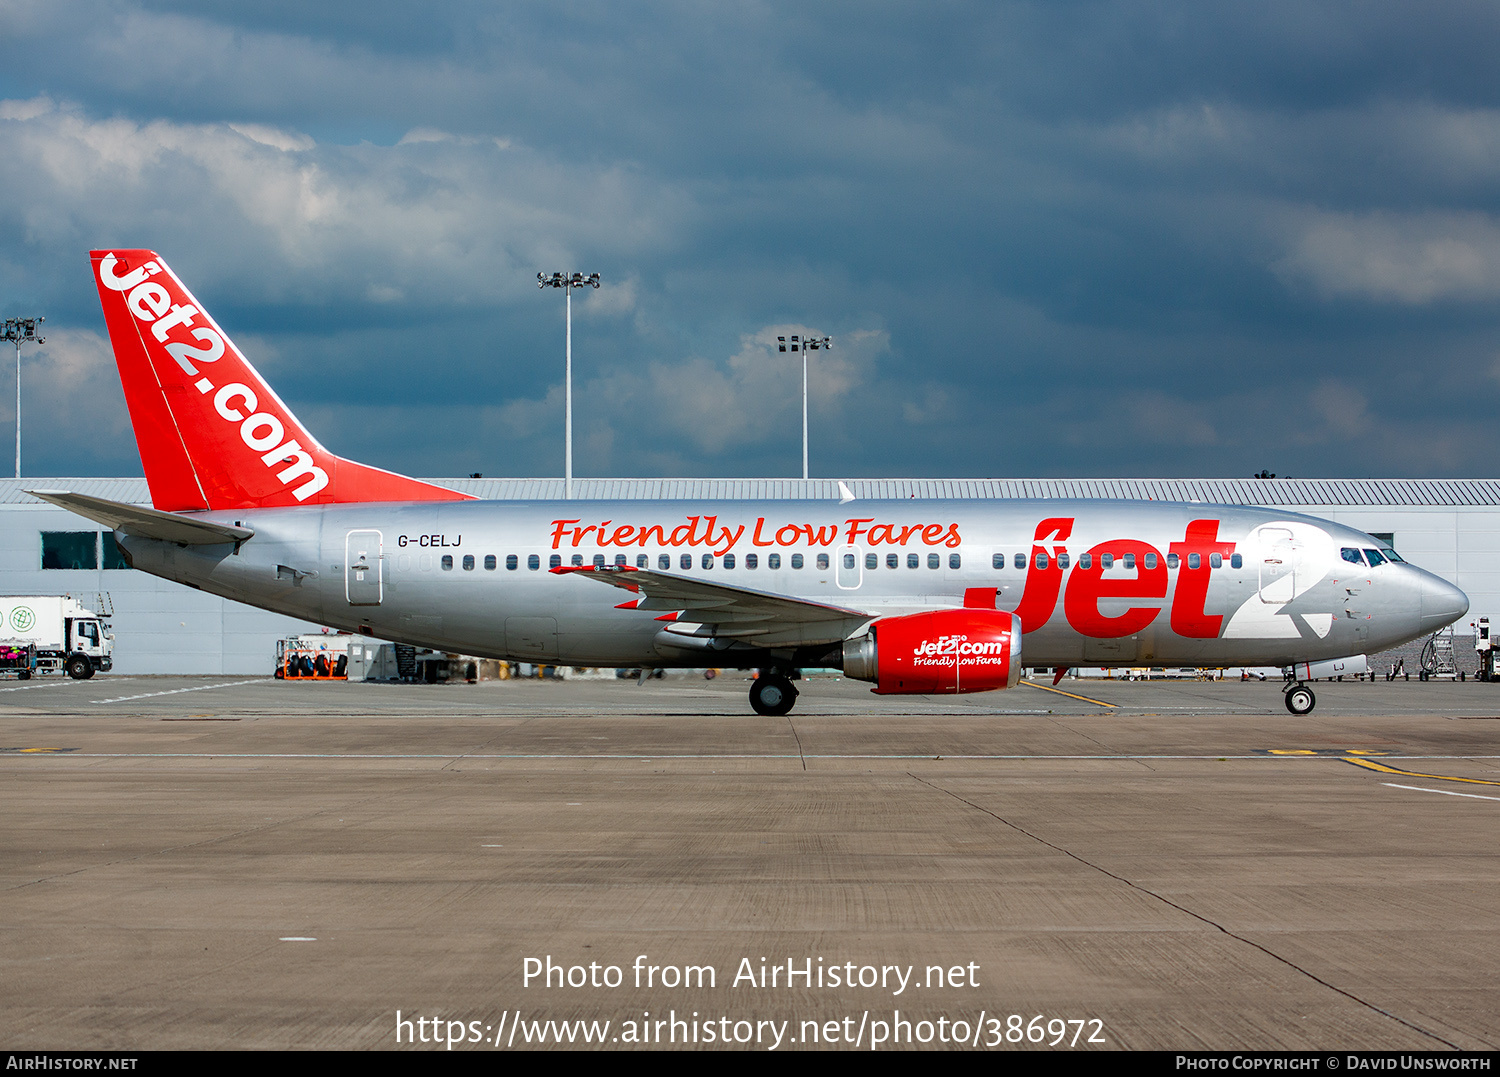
(1449,526)
(160,627)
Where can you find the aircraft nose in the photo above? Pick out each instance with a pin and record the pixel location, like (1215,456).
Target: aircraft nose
(1442,603)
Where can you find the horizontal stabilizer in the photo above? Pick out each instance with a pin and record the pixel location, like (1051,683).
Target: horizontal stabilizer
(144,522)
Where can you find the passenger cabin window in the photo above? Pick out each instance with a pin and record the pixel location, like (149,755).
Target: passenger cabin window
(686,562)
(577,560)
(555,561)
(796,560)
(1062,560)
(664,561)
(913,561)
(1085,561)
(1106,560)
(642,561)
(997,560)
(1130,562)
(468,562)
(892,560)
(1150,560)
(447,562)
(872,560)
(1195,560)
(1041,561)
(1236,561)
(934,561)
(1020,561)
(1215,560)
(1171,560)
(729,560)
(708,560)
(752,560)
(533,561)
(598,560)
(823,561)
(955,561)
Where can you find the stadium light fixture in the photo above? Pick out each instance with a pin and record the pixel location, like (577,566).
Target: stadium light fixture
(21,330)
(567,283)
(805,345)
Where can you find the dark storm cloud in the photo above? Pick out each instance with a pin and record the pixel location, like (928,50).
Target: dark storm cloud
(1048,238)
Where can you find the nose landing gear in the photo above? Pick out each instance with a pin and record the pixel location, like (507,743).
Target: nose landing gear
(1299,698)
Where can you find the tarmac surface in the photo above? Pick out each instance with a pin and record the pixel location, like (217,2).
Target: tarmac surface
(234,862)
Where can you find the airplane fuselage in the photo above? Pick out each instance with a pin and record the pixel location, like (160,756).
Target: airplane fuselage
(1102,583)
(917,597)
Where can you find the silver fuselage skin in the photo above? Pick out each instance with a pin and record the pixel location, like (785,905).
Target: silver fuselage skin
(378,568)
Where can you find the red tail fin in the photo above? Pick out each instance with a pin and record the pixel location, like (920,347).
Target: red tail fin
(211,433)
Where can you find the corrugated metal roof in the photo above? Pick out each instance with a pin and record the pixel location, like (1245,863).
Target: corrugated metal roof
(1289,492)
(130,491)
(1300,492)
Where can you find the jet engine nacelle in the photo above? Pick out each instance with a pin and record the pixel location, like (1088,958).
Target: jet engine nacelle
(967,650)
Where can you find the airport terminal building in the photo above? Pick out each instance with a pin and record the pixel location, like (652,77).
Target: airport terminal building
(1448,526)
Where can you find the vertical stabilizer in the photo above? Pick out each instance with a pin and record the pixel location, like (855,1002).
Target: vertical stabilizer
(211,433)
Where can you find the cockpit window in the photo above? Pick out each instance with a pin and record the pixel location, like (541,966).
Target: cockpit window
(1392,555)
(1352,556)
(1375,558)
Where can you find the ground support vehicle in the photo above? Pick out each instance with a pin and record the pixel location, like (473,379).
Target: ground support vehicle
(66,635)
(314,656)
(17,659)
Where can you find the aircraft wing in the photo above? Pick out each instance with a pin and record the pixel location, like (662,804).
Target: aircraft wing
(147,523)
(726,611)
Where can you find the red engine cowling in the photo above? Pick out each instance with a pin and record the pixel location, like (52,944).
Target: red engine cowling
(968,650)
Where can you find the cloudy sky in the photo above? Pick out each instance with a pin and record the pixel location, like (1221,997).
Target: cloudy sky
(1048,239)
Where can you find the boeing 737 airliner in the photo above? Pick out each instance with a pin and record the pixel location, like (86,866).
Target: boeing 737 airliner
(915,596)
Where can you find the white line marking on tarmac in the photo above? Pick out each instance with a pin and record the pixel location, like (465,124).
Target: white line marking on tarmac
(177,691)
(28,687)
(1445,792)
(935,756)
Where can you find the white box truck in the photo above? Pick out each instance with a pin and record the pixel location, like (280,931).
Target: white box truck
(67,636)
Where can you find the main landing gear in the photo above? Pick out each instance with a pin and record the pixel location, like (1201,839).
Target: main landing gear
(772,694)
(1299,698)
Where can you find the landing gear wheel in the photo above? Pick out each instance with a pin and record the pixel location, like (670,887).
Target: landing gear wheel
(772,695)
(1300,700)
(80,668)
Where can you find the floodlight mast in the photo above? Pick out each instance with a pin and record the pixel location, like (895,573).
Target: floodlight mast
(567,284)
(19,330)
(806,344)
